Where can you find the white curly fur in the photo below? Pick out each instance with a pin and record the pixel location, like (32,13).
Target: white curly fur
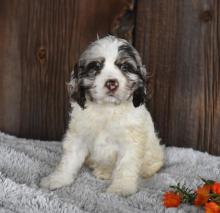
(111,136)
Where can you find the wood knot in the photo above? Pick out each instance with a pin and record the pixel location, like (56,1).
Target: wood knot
(206,15)
(41,55)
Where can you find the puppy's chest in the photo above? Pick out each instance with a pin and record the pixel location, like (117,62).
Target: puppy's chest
(104,148)
(104,132)
(109,123)
(94,121)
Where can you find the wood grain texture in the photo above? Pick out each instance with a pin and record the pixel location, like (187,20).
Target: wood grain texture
(180,41)
(40,41)
(9,68)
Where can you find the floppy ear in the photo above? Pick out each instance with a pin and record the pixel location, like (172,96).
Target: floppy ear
(75,89)
(139,95)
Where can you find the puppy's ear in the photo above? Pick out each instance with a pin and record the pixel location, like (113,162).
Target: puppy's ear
(75,88)
(139,95)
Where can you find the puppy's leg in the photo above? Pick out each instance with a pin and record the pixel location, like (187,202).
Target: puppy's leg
(153,158)
(72,160)
(125,176)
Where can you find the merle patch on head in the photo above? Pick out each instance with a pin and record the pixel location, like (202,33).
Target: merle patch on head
(126,51)
(128,61)
(77,91)
(89,78)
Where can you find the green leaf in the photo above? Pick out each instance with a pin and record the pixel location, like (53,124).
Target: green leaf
(187,194)
(208,182)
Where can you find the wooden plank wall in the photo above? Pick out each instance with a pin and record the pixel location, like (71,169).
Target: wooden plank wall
(178,41)
(40,41)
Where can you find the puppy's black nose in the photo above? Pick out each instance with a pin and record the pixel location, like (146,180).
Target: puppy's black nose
(112,84)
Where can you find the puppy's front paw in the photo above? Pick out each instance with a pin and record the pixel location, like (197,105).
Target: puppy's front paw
(54,181)
(102,173)
(122,189)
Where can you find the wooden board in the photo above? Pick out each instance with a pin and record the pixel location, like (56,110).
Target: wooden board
(179,42)
(40,41)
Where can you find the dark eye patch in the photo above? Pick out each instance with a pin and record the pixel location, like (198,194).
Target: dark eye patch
(126,67)
(95,65)
(92,69)
(126,59)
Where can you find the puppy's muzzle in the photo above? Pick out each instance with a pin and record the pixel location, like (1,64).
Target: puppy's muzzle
(112,85)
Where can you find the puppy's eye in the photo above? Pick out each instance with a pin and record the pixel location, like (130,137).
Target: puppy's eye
(95,65)
(125,67)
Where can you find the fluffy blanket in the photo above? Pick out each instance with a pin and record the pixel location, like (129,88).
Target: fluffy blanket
(23,162)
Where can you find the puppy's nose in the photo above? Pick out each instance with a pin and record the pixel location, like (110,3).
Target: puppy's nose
(112,84)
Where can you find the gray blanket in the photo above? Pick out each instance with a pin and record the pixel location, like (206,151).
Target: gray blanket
(23,162)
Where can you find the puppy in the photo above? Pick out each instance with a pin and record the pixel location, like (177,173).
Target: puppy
(110,130)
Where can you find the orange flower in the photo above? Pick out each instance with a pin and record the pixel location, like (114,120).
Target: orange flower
(171,199)
(202,195)
(212,207)
(216,188)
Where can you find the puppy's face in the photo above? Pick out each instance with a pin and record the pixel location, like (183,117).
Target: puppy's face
(109,71)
